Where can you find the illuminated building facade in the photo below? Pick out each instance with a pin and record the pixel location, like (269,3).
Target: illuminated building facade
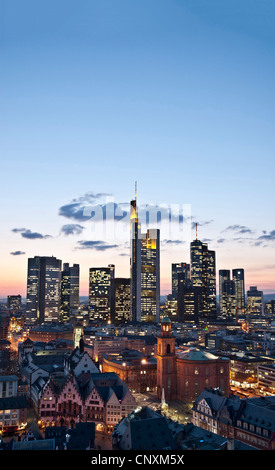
(150,276)
(238,278)
(255,302)
(69,291)
(203,275)
(91,397)
(227,295)
(190,304)
(135,263)
(138,371)
(144,270)
(43,289)
(122,300)
(184,374)
(14,303)
(101,292)
(180,271)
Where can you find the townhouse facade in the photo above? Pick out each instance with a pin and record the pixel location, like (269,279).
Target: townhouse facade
(101,398)
(249,420)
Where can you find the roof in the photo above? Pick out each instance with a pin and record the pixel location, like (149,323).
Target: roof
(9,378)
(13,403)
(196,355)
(166,320)
(148,430)
(42,444)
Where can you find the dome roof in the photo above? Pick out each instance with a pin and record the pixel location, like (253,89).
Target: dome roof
(166,320)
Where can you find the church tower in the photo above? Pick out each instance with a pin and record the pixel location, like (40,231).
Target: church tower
(166,362)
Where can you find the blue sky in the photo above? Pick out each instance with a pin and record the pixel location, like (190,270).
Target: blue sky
(176,94)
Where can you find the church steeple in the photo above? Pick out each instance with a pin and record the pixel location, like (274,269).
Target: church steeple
(166,362)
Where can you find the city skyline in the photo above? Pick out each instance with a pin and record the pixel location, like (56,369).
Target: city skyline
(178,97)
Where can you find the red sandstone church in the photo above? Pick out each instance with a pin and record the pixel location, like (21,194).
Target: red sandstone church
(184,374)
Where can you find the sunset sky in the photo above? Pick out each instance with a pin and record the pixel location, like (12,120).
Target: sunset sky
(177,95)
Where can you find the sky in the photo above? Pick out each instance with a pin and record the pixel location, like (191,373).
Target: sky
(177,95)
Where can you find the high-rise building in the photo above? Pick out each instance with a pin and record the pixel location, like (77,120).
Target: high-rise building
(255,302)
(182,270)
(144,270)
(150,276)
(122,300)
(43,289)
(190,302)
(14,303)
(101,292)
(238,278)
(228,299)
(135,262)
(69,291)
(227,295)
(203,275)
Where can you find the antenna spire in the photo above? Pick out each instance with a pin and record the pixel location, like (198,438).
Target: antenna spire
(196,231)
(135,190)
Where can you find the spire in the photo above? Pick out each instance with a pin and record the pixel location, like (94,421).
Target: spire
(196,231)
(136,191)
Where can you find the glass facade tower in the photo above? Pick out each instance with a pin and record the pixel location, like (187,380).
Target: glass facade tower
(101,292)
(43,289)
(150,276)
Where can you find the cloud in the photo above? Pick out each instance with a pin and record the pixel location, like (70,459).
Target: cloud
(173,242)
(72,229)
(98,245)
(267,237)
(26,233)
(76,208)
(17,253)
(241,229)
(93,207)
(201,224)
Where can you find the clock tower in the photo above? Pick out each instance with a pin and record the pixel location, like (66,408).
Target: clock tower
(166,362)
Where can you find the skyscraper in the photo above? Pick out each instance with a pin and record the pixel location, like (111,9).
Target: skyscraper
(227,296)
(69,291)
(14,303)
(238,278)
(203,275)
(101,292)
(43,289)
(181,270)
(255,302)
(135,262)
(150,276)
(121,312)
(224,275)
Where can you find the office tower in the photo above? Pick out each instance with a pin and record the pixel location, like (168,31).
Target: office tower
(69,291)
(238,278)
(135,262)
(255,302)
(228,299)
(227,294)
(196,260)
(190,302)
(209,283)
(14,303)
(182,269)
(101,292)
(122,300)
(43,289)
(150,276)
(203,274)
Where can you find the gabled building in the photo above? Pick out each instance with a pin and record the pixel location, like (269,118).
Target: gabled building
(249,420)
(93,397)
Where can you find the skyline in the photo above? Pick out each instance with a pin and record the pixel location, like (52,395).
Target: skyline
(178,96)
